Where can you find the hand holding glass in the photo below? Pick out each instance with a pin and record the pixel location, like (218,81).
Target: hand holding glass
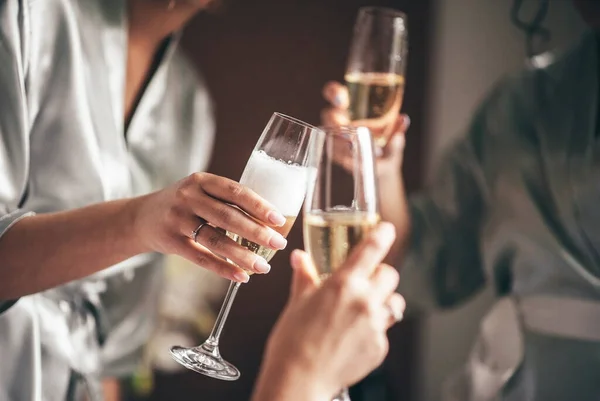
(375,70)
(277,171)
(341,202)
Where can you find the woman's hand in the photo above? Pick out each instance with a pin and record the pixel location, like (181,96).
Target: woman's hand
(388,162)
(389,158)
(165,221)
(331,336)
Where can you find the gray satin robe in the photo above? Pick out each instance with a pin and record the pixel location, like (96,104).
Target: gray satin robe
(62,146)
(517,204)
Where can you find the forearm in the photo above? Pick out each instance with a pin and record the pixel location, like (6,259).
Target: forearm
(46,250)
(394,209)
(112,390)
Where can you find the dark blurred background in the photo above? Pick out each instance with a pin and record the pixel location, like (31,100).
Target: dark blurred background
(262,56)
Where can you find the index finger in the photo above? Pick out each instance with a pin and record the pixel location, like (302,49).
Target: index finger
(369,253)
(243,197)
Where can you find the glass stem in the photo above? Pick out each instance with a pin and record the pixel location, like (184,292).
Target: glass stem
(213,339)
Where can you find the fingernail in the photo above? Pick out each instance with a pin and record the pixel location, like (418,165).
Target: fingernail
(277,242)
(297,258)
(261,266)
(385,232)
(406,122)
(294,258)
(276,218)
(241,277)
(337,100)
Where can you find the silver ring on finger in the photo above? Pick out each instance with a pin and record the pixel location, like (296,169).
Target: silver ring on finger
(194,235)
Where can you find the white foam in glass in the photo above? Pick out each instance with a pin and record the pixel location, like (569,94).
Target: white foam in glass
(280,183)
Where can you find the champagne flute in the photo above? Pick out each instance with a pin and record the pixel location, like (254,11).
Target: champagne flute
(375,70)
(341,202)
(277,171)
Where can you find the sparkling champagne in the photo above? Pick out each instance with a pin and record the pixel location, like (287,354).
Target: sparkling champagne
(282,184)
(377,98)
(330,236)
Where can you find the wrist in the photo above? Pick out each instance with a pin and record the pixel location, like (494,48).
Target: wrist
(391,184)
(290,380)
(390,175)
(129,215)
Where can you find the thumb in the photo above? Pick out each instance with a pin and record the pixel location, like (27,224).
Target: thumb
(397,143)
(395,147)
(305,278)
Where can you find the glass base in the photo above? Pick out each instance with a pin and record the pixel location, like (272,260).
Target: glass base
(206,360)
